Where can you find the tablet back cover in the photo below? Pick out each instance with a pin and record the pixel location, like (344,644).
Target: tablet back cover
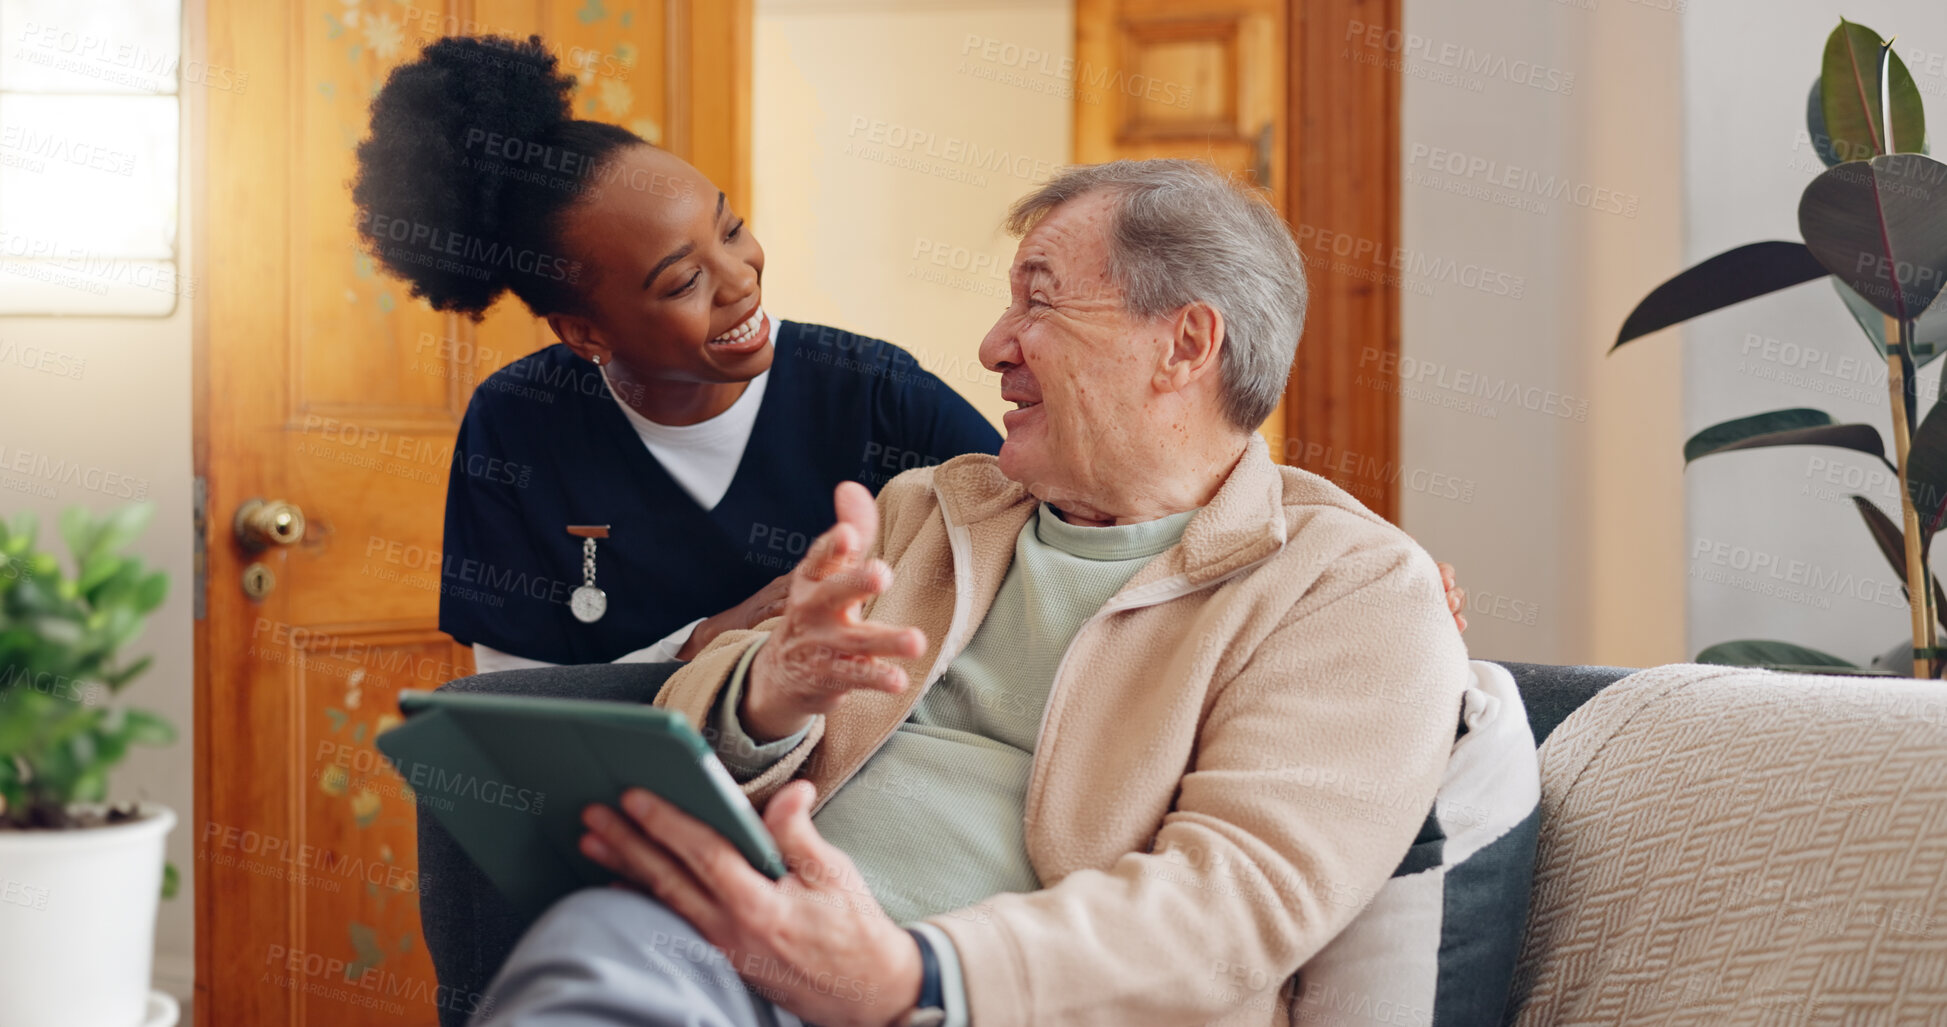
(509,777)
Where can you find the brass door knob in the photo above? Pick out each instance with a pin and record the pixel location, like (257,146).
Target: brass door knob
(261,524)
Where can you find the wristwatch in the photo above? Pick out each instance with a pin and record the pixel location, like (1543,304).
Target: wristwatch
(930,1011)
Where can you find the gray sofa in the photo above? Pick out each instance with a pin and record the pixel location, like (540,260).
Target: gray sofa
(469,931)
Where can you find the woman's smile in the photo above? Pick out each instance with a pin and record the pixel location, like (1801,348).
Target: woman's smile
(750,335)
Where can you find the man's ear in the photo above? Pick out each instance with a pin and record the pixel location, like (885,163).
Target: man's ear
(580,336)
(1198,340)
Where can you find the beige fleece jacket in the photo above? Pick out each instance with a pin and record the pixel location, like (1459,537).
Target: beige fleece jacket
(1237,750)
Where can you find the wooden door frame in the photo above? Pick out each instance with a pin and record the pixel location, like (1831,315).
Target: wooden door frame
(1346,181)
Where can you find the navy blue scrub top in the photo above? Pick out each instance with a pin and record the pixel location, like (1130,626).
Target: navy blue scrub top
(543,446)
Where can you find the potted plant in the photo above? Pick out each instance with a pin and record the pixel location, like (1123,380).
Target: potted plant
(1875,224)
(79,878)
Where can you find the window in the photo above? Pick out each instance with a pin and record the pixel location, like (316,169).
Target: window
(90,104)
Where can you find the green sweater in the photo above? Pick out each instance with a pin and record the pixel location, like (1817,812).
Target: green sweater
(933,819)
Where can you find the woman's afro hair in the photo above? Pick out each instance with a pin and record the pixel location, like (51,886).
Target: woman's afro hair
(457,222)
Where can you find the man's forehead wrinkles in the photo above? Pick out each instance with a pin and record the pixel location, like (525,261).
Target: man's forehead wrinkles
(1034,264)
(1066,253)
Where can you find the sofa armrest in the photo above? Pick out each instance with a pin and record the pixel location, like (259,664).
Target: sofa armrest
(1732,845)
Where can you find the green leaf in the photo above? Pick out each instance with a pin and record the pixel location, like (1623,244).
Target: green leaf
(1841,672)
(172,881)
(145,728)
(91,786)
(1929,333)
(17,730)
(78,531)
(13,801)
(1886,535)
(1798,426)
(26,529)
(124,525)
(1758,652)
(98,568)
(1892,545)
(1850,96)
(1815,124)
(69,724)
(110,748)
(150,592)
(1731,277)
(121,626)
(1881,227)
(1926,470)
(116,679)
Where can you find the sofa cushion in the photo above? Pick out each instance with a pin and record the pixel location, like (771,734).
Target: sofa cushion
(1724,845)
(1550,692)
(1437,944)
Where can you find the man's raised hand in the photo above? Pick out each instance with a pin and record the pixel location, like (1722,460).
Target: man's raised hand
(823,648)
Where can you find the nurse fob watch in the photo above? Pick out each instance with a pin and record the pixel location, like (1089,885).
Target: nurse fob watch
(588,603)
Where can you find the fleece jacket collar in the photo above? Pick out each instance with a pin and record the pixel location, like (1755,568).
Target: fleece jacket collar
(1242,524)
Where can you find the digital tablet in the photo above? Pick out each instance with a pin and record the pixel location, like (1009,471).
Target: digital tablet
(508,777)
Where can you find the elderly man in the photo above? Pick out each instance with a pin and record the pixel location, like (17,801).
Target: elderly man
(1048,738)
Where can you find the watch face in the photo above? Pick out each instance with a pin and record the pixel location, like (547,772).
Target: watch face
(588,604)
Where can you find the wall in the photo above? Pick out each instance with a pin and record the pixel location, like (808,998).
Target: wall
(1752,515)
(889,141)
(1540,200)
(122,417)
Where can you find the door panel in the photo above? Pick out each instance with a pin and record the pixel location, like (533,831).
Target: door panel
(1200,79)
(322,382)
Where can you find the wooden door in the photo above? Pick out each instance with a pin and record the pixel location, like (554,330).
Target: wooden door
(322,384)
(1262,88)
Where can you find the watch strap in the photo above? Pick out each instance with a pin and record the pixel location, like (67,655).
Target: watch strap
(931,1008)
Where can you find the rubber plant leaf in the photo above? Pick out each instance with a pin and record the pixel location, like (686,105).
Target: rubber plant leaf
(1929,333)
(1731,277)
(1850,94)
(1880,226)
(1794,427)
(1926,470)
(1892,545)
(1815,125)
(1761,652)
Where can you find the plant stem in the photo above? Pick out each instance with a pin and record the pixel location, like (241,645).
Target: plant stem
(1916,568)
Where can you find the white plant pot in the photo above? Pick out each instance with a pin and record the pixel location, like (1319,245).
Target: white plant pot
(77,922)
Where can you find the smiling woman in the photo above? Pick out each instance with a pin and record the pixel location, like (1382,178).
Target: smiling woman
(667,459)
